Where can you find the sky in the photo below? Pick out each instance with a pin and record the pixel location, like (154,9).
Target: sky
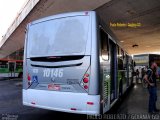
(9,9)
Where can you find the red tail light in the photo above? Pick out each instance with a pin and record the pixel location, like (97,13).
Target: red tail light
(28,77)
(85,80)
(29,80)
(86,87)
(90,103)
(86,75)
(73,109)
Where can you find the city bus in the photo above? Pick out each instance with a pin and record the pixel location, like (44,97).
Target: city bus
(11,68)
(73,64)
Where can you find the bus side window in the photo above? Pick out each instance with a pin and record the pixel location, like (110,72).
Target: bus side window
(104,45)
(120,59)
(124,56)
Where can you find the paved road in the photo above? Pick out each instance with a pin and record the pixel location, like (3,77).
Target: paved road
(135,102)
(11,105)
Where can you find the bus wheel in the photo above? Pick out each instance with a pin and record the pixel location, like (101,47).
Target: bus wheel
(20,75)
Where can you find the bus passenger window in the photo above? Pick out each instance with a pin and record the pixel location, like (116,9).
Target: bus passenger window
(122,53)
(120,59)
(104,45)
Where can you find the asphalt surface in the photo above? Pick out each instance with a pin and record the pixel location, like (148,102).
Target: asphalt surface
(11,108)
(11,105)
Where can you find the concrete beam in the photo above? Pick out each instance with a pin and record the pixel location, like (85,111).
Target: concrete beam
(36,9)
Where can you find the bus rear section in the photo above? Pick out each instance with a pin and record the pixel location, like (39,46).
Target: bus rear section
(57,64)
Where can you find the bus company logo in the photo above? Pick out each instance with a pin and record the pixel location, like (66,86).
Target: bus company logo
(53,79)
(53,87)
(72,81)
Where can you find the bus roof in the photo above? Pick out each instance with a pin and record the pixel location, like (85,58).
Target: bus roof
(69,14)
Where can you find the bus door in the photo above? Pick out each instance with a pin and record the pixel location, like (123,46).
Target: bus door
(11,67)
(105,69)
(108,66)
(113,72)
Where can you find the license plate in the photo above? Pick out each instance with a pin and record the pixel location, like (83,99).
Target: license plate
(54,87)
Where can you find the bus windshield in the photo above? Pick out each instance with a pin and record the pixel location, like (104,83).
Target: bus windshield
(58,37)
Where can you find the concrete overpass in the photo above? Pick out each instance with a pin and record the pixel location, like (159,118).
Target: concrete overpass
(145,12)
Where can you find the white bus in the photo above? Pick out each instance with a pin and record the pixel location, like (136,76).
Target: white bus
(72,64)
